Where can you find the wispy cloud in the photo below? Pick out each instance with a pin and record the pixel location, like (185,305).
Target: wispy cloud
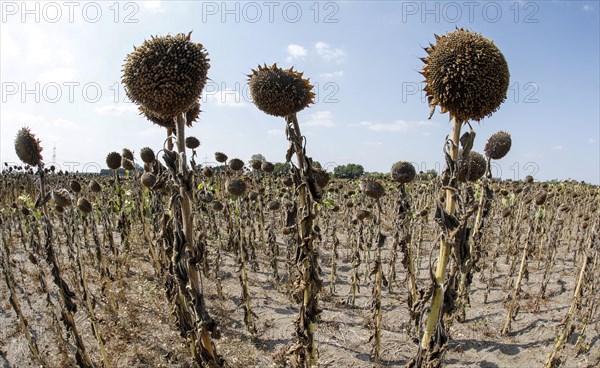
(19,117)
(591,141)
(154,5)
(398,125)
(117,110)
(320,119)
(373,144)
(296,52)
(329,53)
(558,148)
(337,74)
(65,124)
(587,8)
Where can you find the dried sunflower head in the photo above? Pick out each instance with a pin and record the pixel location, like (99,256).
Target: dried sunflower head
(84,205)
(147,155)
(321,177)
(28,148)
(113,160)
(403,172)
(472,167)
(166,74)
(220,157)
(256,164)
(207,171)
(75,186)
(279,92)
(127,164)
(267,167)
(148,179)
(192,142)
(62,197)
(192,114)
(274,205)
(466,75)
(363,214)
(217,206)
(498,145)
(236,164)
(372,188)
(127,153)
(94,186)
(236,186)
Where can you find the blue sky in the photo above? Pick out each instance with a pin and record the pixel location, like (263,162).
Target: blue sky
(61,68)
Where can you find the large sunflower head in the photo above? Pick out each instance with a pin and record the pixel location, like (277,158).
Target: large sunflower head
(280,92)
(166,74)
(466,75)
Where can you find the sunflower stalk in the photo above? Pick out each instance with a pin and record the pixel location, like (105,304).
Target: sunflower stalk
(433,338)
(522,269)
(87,297)
(16,305)
(589,258)
(249,315)
(308,282)
(66,295)
(376,310)
(201,339)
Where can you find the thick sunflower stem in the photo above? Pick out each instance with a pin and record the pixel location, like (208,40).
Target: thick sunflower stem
(437,300)
(307,258)
(207,351)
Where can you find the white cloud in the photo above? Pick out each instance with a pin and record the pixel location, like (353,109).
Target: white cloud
(371,143)
(591,141)
(118,110)
(320,119)
(276,132)
(19,117)
(155,6)
(558,147)
(588,8)
(533,154)
(295,52)
(337,74)
(328,53)
(65,124)
(58,75)
(398,125)
(362,123)
(10,48)
(225,98)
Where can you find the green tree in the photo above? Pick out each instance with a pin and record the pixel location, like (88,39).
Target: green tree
(281,168)
(258,157)
(349,171)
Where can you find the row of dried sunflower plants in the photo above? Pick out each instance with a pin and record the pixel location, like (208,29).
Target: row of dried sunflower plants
(72,244)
